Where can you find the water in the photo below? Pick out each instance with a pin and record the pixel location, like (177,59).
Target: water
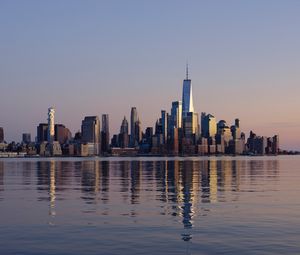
(150,206)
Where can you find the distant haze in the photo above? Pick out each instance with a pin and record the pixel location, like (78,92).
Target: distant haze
(94,57)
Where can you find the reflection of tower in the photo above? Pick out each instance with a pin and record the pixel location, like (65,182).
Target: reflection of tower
(187,207)
(104,168)
(51,131)
(213,180)
(124,179)
(90,180)
(52,188)
(136,168)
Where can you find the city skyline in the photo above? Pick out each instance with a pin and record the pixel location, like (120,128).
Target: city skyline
(103,58)
(184,111)
(180,132)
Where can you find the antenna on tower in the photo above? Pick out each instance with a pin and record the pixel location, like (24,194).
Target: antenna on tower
(187,70)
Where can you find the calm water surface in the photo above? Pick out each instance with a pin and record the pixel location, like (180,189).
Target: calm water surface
(150,206)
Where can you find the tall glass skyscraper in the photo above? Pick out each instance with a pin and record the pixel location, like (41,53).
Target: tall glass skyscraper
(133,120)
(187,96)
(105,133)
(176,114)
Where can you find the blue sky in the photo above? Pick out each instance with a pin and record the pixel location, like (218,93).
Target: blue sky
(94,57)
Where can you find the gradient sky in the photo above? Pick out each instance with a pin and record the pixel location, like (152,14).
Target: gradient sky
(94,57)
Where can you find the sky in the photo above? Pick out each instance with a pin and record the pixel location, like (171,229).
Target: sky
(94,57)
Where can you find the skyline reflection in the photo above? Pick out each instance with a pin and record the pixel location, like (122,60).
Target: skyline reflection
(184,189)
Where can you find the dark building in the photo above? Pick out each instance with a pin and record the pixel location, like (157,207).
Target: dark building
(26,138)
(90,129)
(42,132)
(90,132)
(105,133)
(1,135)
(164,125)
(123,139)
(133,132)
(115,141)
(148,135)
(275,145)
(62,134)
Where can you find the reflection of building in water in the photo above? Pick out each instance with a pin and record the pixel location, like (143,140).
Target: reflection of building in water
(136,168)
(104,169)
(26,172)
(237,165)
(90,180)
(213,181)
(52,188)
(52,176)
(124,179)
(187,191)
(259,169)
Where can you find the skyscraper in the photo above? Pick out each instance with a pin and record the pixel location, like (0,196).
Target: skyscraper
(51,131)
(90,132)
(105,133)
(42,132)
(208,125)
(187,96)
(123,136)
(164,124)
(124,126)
(176,114)
(138,132)
(133,120)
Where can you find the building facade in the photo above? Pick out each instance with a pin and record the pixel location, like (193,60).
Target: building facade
(105,134)
(90,132)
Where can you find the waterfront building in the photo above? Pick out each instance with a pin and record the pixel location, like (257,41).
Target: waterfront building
(105,133)
(90,132)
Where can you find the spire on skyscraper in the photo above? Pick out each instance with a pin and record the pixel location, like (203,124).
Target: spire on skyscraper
(187,70)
